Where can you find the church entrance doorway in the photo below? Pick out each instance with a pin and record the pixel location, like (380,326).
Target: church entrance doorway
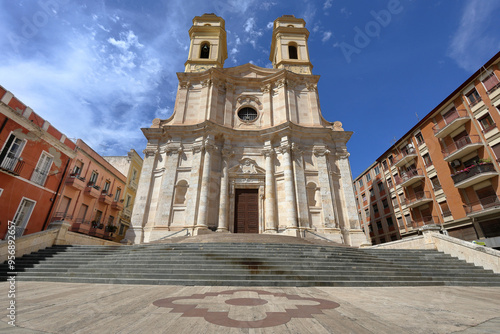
(246,217)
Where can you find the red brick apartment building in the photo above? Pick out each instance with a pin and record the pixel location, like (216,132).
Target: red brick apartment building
(444,171)
(34,161)
(93,196)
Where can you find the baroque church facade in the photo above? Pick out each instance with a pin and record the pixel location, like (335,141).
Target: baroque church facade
(246,149)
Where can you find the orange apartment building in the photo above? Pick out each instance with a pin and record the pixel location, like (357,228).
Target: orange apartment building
(443,172)
(93,196)
(34,162)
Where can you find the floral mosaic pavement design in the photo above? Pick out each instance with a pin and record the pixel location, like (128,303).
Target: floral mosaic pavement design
(246,308)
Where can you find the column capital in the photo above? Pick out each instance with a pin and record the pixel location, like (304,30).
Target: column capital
(265,88)
(268,152)
(296,149)
(174,149)
(280,83)
(321,151)
(149,152)
(227,152)
(185,84)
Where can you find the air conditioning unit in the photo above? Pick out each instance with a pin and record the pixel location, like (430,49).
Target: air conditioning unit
(455,163)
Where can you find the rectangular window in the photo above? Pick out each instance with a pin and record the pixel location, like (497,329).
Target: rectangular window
(360,182)
(77,170)
(127,202)
(408,220)
(487,123)
(367,213)
(372,193)
(395,202)
(385,204)
(368,177)
(435,183)
(391,160)
(82,213)
(473,97)
(111,219)
(11,152)
(420,138)
(122,229)
(427,159)
(400,222)
(401,199)
(375,208)
(98,216)
(23,215)
(93,178)
(107,184)
(389,183)
(380,186)
(491,83)
(496,150)
(379,225)
(42,169)
(117,194)
(370,227)
(389,221)
(384,164)
(376,170)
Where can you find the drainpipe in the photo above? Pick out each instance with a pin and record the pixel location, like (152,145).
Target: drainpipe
(63,178)
(3,124)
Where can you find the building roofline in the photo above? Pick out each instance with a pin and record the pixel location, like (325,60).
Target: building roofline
(490,62)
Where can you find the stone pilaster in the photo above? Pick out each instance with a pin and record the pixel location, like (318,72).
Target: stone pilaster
(205,186)
(290,198)
(300,187)
(267,101)
(228,112)
(270,219)
(223,225)
(346,184)
(135,233)
(193,190)
(167,185)
(326,191)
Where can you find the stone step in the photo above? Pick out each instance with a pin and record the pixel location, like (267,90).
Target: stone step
(263,283)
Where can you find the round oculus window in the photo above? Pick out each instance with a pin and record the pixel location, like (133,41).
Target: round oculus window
(247,114)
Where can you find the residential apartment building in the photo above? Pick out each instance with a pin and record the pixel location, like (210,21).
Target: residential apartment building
(34,162)
(93,196)
(444,171)
(131,166)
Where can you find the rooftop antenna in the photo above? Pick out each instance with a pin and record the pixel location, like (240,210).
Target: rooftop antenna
(418,118)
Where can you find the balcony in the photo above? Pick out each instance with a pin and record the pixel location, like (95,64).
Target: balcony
(106,198)
(80,226)
(409,177)
(485,206)
(96,229)
(76,181)
(405,157)
(92,190)
(61,216)
(12,165)
(126,213)
(418,199)
(474,174)
(117,205)
(449,124)
(133,184)
(419,222)
(461,148)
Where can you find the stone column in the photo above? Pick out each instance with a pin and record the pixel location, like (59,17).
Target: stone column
(290,198)
(167,185)
(140,211)
(346,184)
(271,223)
(205,185)
(224,191)
(326,191)
(194,186)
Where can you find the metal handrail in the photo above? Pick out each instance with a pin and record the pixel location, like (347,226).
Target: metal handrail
(170,235)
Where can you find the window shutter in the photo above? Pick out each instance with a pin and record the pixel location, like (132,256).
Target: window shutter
(490,82)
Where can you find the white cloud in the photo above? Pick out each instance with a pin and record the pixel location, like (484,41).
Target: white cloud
(270,25)
(474,40)
(327,4)
(249,25)
(326,36)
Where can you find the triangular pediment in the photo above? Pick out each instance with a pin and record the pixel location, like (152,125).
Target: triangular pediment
(247,166)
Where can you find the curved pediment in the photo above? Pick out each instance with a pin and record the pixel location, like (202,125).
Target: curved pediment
(249,71)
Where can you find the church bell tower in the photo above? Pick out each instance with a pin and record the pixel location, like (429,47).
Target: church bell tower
(289,46)
(208,43)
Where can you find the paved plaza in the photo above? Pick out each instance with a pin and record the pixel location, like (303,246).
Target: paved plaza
(43,307)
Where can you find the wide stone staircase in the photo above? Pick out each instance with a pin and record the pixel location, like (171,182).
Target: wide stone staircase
(190,261)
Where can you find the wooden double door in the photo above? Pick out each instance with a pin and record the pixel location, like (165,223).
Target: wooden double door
(246,218)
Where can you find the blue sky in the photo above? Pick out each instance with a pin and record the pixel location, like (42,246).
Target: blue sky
(100,70)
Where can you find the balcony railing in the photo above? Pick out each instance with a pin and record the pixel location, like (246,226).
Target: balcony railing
(39,176)
(405,157)
(490,204)
(409,177)
(452,122)
(478,173)
(61,216)
(133,184)
(419,198)
(13,165)
(461,147)
(418,222)
(76,181)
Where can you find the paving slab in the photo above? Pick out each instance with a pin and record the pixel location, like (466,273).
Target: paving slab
(49,307)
